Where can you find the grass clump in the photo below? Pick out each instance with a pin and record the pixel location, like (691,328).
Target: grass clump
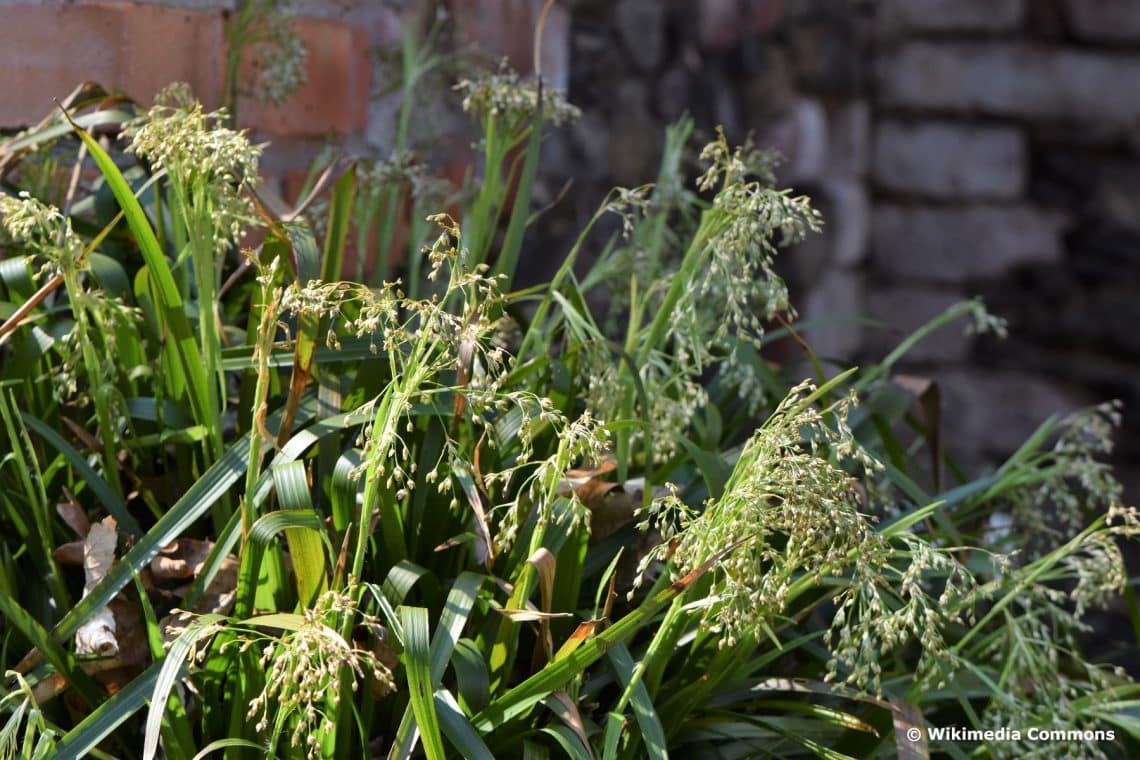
(454,518)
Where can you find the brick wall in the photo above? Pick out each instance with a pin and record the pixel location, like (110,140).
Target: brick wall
(956,148)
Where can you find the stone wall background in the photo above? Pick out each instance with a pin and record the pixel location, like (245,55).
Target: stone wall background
(974,147)
(956,148)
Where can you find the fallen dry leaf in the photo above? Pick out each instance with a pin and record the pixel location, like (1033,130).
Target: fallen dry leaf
(70,553)
(181,562)
(73,514)
(97,635)
(611,505)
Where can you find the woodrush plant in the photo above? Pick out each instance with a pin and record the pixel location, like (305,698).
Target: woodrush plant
(488,522)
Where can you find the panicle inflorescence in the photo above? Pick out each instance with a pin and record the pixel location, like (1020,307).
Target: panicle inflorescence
(46,236)
(738,290)
(1044,680)
(792,502)
(1070,481)
(581,440)
(281,56)
(42,231)
(911,594)
(452,343)
(304,669)
(207,162)
(982,322)
(730,292)
(503,96)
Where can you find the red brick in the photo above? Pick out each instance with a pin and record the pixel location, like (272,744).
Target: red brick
(335,96)
(45,51)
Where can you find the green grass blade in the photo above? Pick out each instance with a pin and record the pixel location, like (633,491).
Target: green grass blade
(340,215)
(471,675)
(305,545)
(170,300)
(648,720)
(508,258)
(400,580)
(557,673)
(26,464)
(110,117)
(62,660)
(172,666)
(218,744)
(106,495)
(261,534)
(615,726)
(456,610)
(458,728)
(97,726)
(344,488)
(417,663)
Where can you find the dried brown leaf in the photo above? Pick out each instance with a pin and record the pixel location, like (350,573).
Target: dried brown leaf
(73,514)
(97,635)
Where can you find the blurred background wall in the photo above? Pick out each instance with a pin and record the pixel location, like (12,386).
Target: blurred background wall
(955,147)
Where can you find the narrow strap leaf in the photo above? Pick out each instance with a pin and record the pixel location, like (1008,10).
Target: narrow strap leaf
(417,662)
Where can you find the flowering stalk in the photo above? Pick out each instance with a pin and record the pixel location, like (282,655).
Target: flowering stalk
(48,234)
(207,166)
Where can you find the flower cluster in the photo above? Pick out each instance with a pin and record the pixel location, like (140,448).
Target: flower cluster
(794,506)
(580,441)
(281,56)
(504,96)
(912,593)
(42,230)
(1071,480)
(47,236)
(462,331)
(207,162)
(1044,681)
(738,290)
(304,668)
(982,322)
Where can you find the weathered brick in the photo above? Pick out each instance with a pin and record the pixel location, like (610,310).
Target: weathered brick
(904,309)
(634,145)
(1104,20)
(962,243)
(946,160)
(507,28)
(848,219)
(836,297)
(897,16)
(47,50)
(225,5)
(1117,194)
(723,23)
(802,138)
(994,412)
(335,95)
(641,24)
(1014,79)
(382,22)
(850,138)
